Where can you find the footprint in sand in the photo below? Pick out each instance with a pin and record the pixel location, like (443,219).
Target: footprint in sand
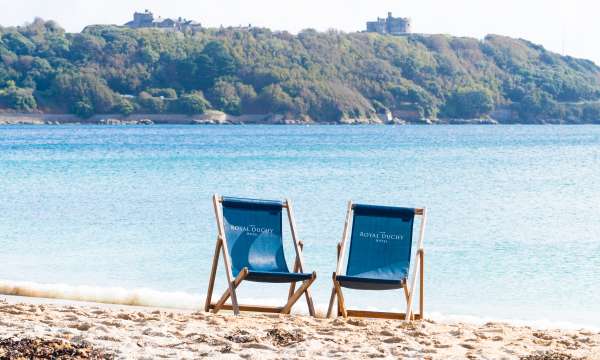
(542,342)
(543,335)
(386,333)
(108,338)
(215,321)
(357,322)
(113,323)
(124,316)
(71,317)
(376,355)
(326,332)
(151,332)
(102,328)
(83,326)
(393,340)
(259,346)
(457,332)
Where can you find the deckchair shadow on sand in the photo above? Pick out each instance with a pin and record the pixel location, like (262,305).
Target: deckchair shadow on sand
(380,257)
(250,238)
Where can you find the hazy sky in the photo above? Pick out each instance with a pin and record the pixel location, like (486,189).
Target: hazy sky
(565,26)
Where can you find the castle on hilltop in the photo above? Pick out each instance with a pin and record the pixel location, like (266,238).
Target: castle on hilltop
(147,20)
(390,25)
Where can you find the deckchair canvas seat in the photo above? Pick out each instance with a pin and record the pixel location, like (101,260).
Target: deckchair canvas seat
(250,237)
(363,283)
(276,277)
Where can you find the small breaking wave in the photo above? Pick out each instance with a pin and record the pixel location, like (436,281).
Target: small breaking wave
(538,324)
(122,296)
(106,295)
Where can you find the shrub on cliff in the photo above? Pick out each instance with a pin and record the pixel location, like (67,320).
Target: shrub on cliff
(192,104)
(151,104)
(18,99)
(469,103)
(83,108)
(84,87)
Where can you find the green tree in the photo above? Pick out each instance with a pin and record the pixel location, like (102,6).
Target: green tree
(224,96)
(18,43)
(83,108)
(275,100)
(469,103)
(166,93)
(20,99)
(86,46)
(84,87)
(125,107)
(151,104)
(192,103)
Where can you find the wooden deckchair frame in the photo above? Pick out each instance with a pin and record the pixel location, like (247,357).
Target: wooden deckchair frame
(418,271)
(221,249)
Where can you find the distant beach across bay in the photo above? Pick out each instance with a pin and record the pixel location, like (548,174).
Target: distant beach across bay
(220,118)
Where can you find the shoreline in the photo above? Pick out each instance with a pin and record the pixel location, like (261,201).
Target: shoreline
(136,332)
(220,118)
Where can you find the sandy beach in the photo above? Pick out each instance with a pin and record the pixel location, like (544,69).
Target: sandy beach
(145,333)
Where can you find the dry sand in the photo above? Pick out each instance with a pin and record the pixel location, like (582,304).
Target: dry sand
(146,333)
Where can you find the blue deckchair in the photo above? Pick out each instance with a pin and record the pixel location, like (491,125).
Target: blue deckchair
(250,238)
(381,240)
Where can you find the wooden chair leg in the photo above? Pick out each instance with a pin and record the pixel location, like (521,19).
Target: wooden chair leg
(340,296)
(422,285)
(331,301)
(309,303)
(298,293)
(213,274)
(293,283)
(230,291)
(292,289)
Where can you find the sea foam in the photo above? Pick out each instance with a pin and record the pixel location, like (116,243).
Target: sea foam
(107,295)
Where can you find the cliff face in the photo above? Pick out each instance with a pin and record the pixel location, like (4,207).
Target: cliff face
(309,77)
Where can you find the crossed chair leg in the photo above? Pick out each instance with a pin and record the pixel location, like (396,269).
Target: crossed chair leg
(336,292)
(293,297)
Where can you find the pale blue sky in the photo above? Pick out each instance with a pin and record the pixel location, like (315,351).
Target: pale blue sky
(564,26)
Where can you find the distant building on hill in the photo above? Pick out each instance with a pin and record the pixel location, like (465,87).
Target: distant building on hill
(147,20)
(390,25)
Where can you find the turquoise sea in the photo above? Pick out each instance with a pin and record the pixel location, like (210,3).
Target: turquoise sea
(101,212)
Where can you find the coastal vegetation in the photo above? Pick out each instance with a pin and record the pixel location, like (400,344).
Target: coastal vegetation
(312,76)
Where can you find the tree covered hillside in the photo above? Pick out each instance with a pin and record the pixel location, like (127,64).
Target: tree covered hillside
(312,76)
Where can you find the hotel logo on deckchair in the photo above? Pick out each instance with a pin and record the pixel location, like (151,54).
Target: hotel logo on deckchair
(380,237)
(252,229)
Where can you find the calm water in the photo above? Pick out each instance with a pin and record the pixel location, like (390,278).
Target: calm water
(513,232)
